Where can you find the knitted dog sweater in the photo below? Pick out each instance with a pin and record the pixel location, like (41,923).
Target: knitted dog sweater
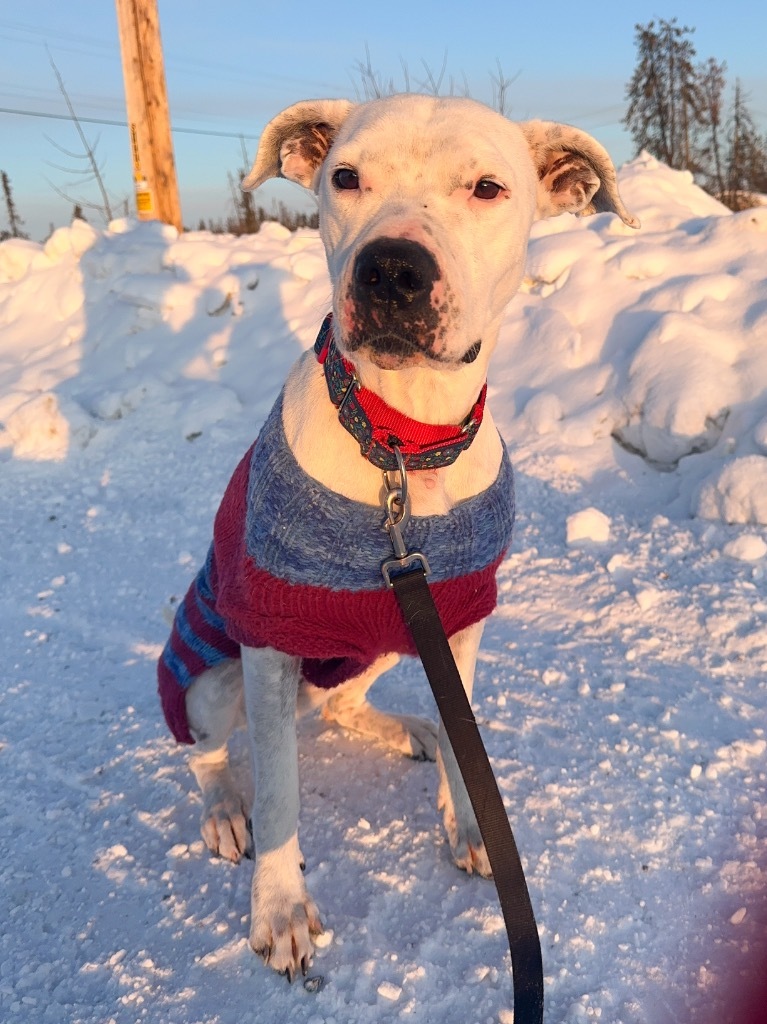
(296,566)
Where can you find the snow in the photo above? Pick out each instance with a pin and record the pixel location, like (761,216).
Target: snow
(737,492)
(622,684)
(748,548)
(588,524)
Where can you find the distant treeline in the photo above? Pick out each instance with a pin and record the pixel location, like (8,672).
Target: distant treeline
(248,218)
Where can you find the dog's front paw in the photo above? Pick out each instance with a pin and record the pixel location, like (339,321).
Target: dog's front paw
(284,917)
(468,850)
(282,935)
(465,839)
(420,737)
(223,824)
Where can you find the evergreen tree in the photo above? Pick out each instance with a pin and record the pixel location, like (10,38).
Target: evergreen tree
(676,113)
(746,157)
(665,103)
(15,223)
(712,83)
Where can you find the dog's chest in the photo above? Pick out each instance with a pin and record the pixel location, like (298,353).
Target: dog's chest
(304,533)
(428,493)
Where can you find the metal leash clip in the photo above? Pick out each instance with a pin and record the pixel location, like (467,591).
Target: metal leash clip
(397,509)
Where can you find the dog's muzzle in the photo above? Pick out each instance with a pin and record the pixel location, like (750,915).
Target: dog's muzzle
(391,292)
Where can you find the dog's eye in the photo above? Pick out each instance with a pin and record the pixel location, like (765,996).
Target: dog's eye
(486,188)
(345,178)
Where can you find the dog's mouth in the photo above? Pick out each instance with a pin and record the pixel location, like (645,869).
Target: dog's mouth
(471,353)
(390,350)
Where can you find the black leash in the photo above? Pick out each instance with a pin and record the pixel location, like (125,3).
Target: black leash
(406,574)
(422,618)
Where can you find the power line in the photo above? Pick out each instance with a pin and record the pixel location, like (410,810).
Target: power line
(102,48)
(124,124)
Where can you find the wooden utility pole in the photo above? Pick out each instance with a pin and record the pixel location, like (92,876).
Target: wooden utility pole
(146,100)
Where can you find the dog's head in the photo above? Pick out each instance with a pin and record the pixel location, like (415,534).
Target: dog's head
(426,206)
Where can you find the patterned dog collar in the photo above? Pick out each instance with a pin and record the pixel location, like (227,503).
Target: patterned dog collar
(378,428)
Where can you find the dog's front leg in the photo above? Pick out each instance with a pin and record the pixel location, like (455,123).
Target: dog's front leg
(283,915)
(458,815)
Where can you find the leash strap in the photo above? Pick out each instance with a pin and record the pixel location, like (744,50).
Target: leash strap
(422,618)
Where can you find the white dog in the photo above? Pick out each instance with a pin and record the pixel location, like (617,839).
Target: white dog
(425,207)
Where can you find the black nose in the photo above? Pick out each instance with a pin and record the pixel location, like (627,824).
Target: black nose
(396,273)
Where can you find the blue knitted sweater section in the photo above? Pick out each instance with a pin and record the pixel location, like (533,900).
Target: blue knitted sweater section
(302,532)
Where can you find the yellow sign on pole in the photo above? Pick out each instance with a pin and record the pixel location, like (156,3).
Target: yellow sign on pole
(144,204)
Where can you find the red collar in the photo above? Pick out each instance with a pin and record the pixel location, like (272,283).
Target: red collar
(379,428)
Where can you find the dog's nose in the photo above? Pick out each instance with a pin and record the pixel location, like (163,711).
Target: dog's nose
(395,272)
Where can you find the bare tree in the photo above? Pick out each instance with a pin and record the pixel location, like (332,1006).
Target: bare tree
(92,171)
(432,83)
(370,84)
(501,85)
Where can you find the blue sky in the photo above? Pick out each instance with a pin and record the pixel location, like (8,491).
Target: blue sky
(231,66)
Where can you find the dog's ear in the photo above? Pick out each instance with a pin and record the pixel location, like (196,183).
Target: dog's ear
(295,143)
(575,174)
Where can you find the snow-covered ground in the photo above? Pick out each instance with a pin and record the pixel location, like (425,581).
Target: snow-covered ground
(622,687)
